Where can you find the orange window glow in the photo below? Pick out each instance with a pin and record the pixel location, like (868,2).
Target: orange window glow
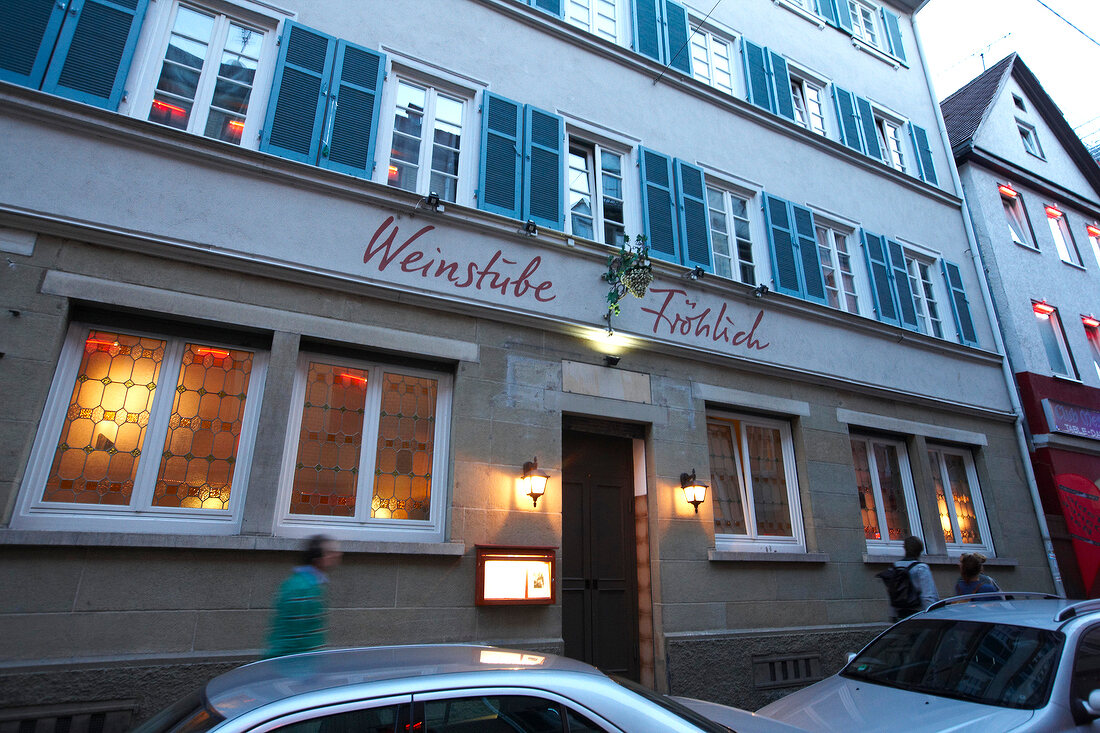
(1007,192)
(1042,308)
(1053,213)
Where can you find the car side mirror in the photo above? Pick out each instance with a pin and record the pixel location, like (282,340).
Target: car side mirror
(1092,704)
(852,655)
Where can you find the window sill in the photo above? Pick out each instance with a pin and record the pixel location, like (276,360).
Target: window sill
(801,12)
(1074,265)
(876,52)
(731,556)
(1028,247)
(234,542)
(952,560)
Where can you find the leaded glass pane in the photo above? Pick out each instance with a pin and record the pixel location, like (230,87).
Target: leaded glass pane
(725,477)
(406,444)
(893,495)
(969,533)
(101,440)
(326,471)
(200,450)
(867,505)
(769,481)
(941,498)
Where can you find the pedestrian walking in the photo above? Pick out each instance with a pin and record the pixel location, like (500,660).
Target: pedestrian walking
(300,619)
(971,578)
(909,582)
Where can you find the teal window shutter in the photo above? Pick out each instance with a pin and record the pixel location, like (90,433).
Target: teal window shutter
(553,7)
(827,9)
(781,82)
(299,92)
(893,33)
(960,306)
(30,33)
(782,243)
(756,75)
(677,52)
(658,205)
(843,14)
(648,36)
(93,52)
(351,121)
(924,153)
(500,180)
(907,311)
(878,263)
(805,237)
(848,118)
(691,205)
(544,169)
(870,133)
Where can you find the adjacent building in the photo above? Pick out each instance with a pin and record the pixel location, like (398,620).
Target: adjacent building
(274,269)
(1033,193)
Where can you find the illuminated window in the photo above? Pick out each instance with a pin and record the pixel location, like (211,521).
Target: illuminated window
(1093,231)
(887,502)
(1063,238)
(710,60)
(599,17)
(836,268)
(1092,335)
(1019,226)
(959,500)
(426,140)
(1054,340)
(207,79)
(144,423)
(596,207)
(366,451)
(755,487)
(730,238)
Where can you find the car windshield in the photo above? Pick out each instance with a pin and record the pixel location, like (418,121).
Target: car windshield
(189,714)
(992,664)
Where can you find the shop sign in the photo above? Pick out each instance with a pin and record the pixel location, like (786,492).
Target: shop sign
(510,576)
(1072,420)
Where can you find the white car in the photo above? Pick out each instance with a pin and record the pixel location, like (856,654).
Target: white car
(438,688)
(986,662)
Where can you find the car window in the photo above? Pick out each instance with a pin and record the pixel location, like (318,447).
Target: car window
(1086,665)
(190,714)
(993,664)
(503,714)
(382,719)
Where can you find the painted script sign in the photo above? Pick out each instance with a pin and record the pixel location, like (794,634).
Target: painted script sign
(1072,420)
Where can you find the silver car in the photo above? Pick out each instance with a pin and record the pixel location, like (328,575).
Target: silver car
(988,662)
(436,689)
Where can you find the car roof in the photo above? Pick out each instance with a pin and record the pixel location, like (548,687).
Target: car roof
(1035,610)
(260,683)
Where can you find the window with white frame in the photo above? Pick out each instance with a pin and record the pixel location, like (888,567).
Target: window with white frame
(1054,339)
(145,432)
(1093,231)
(959,500)
(808,96)
(366,451)
(887,501)
(1092,335)
(710,59)
(426,139)
(889,142)
(865,22)
(1019,226)
(756,501)
(603,18)
(730,235)
(596,208)
(921,286)
(1030,138)
(836,268)
(1063,238)
(1019,102)
(207,79)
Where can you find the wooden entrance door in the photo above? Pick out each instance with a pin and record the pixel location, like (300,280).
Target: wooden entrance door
(599,573)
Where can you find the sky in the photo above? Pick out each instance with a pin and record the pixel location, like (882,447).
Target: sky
(960,35)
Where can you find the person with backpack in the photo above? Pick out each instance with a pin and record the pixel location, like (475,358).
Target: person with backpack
(909,582)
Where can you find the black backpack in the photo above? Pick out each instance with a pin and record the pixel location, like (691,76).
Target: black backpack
(904,596)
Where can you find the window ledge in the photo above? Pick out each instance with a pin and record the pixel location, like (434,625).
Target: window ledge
(876,52)
(235,542)
(953,560)
(801,12)
(731,556)
(1074,265)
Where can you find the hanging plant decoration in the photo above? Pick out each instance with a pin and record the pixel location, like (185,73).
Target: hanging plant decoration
(628,271)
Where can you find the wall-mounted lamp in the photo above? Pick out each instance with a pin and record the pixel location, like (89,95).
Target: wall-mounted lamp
(760,290)
(1053,212)
(534,480)
(1042,309)
(695,491)
(1090,322)
(530,229)
(1093,230)
(431,201)
(696,274)
(611,360)
(1007,191)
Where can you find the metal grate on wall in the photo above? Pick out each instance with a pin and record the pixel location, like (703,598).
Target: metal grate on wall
(111,716)
(783,671)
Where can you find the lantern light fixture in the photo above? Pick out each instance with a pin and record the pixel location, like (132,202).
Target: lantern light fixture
(1093,230)
(1090,321)
(1053,212)
(534,480)
(1042,308)
(695,491)
(1007,191)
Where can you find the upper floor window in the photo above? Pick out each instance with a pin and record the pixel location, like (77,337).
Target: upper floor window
(366,450)
(426,140)
(1019,102)
(1053,338)
(755,485)
(1030,138)
(919,269)
(1019,226)
(595,196)
(809,108)
(710,60)
(962,513)
(889,139)
(887,501)
(599,17)
(1063,238)
(865,22)
(1092,335)
(1093,231)
(730,236)
(836,267)
(206,81)
(145,428)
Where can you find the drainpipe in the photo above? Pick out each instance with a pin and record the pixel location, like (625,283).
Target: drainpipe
(987,299)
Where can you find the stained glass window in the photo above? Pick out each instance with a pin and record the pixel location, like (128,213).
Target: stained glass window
(886,498)
(958,499)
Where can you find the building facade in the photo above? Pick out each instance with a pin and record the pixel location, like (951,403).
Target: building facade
(1034,197)
(279,269)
